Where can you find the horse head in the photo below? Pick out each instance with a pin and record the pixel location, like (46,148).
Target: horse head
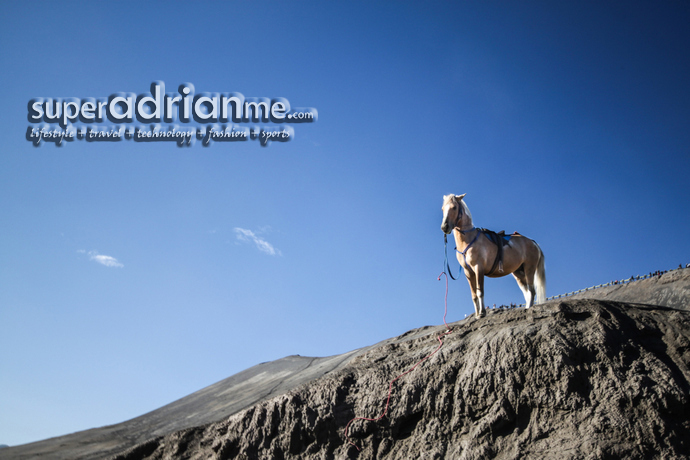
(455,213)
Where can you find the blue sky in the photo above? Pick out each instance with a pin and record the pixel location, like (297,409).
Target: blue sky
(133,274)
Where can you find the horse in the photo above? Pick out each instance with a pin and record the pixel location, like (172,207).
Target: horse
(477,254)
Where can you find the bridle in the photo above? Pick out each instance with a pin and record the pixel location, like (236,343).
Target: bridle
(445,240)
(458,219)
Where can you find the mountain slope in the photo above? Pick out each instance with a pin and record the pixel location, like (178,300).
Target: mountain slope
(212,403)
(507,349)
(571,379)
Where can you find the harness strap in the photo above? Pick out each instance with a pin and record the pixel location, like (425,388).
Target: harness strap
(468,247)
(498,261)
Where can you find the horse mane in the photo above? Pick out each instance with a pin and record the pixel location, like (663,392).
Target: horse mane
(465,209)
(461,202)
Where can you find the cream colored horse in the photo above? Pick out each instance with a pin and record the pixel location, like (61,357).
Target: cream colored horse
(476,253)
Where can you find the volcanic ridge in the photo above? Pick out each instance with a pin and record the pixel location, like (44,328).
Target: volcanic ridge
(602,374)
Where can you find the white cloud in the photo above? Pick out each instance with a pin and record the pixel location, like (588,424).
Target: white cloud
(248,236)
(104,260)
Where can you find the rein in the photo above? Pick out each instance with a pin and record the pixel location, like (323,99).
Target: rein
(447,266)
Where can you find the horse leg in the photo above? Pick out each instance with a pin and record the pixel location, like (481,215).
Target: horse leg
(479,308)
(528,290)
(473,289)
(476,300)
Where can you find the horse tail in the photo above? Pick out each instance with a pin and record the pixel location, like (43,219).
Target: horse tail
(540,279)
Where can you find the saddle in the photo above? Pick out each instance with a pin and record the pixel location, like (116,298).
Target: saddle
(500,239)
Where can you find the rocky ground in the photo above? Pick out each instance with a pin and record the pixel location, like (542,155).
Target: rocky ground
(573,378)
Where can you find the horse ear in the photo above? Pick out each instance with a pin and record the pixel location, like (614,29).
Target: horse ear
(460,197)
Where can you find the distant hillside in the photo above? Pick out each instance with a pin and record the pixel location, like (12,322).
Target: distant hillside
(672,289)
(572,378)
(210,404)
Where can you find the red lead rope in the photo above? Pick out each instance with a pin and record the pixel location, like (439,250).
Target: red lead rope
(390,385)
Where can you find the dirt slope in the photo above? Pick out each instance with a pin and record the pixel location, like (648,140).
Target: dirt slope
(213,403)
(573,379)
(210,404)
